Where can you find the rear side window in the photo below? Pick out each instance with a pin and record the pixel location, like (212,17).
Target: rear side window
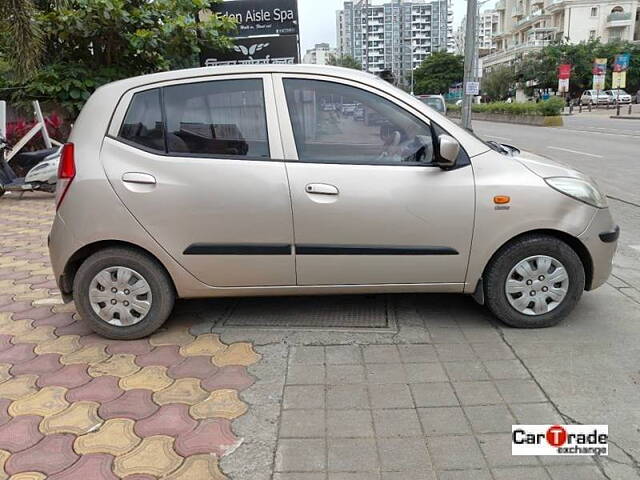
(143,123)
(217,118)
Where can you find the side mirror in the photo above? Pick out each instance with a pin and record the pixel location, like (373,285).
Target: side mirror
(448,150)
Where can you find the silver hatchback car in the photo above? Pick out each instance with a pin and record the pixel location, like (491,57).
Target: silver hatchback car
(235,181)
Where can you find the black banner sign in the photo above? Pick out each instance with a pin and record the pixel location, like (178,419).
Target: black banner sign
(261,17)
(255,51)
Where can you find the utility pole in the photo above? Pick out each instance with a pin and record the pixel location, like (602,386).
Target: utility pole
(469,61)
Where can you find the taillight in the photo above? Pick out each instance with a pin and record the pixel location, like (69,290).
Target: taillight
(66,172)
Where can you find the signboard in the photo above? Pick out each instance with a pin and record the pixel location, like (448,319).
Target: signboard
(564,71)
(619,80)
(599,67)
(563,85)
(598,82)
(261,17)
(621,62)
(472,88)
(255,51)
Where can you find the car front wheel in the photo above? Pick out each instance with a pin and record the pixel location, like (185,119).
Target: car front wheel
(534,282)
(123,294)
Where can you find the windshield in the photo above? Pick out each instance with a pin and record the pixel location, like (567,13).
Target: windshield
(434,102)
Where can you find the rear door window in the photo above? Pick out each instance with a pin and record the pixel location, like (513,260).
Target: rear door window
(143,124)
(220,118)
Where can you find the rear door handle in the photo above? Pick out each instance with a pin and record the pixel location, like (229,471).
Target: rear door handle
(139,178)
(322,189)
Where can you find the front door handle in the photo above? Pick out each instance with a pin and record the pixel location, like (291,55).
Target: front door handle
(322,189)
(139,178)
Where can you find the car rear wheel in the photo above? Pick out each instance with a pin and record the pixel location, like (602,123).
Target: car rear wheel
(123,294)
(534,282)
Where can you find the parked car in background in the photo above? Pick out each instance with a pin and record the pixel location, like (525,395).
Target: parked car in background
(229,181)
(595,97)
(618,96)
(434,101)
(348,108)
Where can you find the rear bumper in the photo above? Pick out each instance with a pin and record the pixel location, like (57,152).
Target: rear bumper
(601,240)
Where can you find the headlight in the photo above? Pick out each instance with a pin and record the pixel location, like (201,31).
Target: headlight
(587,192)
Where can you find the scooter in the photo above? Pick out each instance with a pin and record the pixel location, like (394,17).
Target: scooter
(34,171)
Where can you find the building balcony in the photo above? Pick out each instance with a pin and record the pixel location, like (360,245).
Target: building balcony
(619,19)
(537,2)
(554,5)
(517,12)
(510,54)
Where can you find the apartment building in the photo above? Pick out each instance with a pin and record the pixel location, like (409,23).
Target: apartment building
(395,36)
(528,25)
(319,55)
(486,30)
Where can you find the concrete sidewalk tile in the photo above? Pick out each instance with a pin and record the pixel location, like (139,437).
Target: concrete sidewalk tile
(434,395)
(536,414)
(403,454)
(456,452)
(381,354)
(481,332)
(417,353)
(303,396)
(343,355)
(467,475)
(300,455)
(583,472)
(299,476)
(465,371)
(444,421)
(497,450)
(506,369)
(493,351)
(352,455)
(520,473)
(425,372)
(353,476)
(345,374)
(306,355)
(520,391)
(397,423)
(421,474)
(490,418)
(390,396)
(477,393)
(305,375)
(455,352)
(385,373)
(450,334)
(349,423)
(302,423)
(347,396)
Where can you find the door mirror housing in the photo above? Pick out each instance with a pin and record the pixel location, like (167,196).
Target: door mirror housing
(448,150)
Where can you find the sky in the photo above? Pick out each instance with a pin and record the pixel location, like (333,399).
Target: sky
(318,20)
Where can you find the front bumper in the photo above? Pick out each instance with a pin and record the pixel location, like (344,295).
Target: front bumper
(601,240)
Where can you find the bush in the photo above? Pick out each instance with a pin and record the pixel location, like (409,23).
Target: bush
(551,107)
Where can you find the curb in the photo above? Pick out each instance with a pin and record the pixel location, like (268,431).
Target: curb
(624,118)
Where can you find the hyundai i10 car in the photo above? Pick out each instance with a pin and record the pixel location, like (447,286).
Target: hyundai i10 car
(237,181)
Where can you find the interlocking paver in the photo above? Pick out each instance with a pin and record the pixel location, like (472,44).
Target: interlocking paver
(92,466)
(231,377)
(219,404)
(240,353)
(4,372)
(172,337)
(37,335)
(20,433)
(195,367)
(119,365)
(61,345)
(89,355)
(133,404)
(4,413)
(40,364)
(165,355)
(79,418)
(198,467)
(115,437)
(45,402)
(17,354)
(210,436)
(184,390)
(132,347)
(101,390)
(69,376)
(154,456)
(150,378)
(52,454)
(170,420)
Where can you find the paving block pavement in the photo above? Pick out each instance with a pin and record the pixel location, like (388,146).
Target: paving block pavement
(77,406)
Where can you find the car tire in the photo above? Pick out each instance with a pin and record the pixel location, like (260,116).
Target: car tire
(528,249)
(111,261)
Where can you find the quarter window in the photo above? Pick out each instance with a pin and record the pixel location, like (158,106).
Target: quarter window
(336,123)
(143,123)
(217,118)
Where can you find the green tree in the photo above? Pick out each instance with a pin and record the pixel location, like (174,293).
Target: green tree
(21,34)
(498,84)
(86,43)
(346,61)
(438,72)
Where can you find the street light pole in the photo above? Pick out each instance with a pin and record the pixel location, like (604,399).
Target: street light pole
(469,60)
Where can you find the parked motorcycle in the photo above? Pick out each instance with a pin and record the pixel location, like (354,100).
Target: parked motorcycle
(29,171)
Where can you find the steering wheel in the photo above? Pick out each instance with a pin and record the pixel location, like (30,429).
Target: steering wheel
(396,138)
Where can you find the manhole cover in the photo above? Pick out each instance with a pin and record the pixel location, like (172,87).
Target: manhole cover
(358,311)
